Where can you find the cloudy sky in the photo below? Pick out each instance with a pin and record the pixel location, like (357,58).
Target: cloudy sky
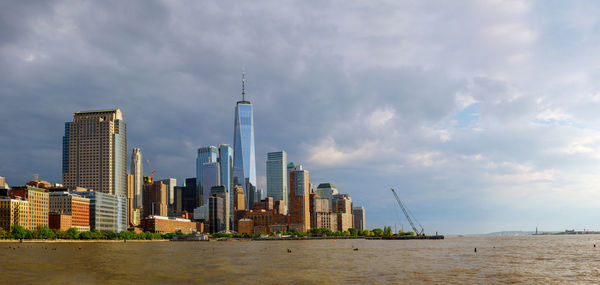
(482,114)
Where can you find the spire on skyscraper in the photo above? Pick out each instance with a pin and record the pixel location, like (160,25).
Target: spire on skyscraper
(244,84)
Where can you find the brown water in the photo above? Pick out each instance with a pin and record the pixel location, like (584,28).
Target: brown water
(526,259)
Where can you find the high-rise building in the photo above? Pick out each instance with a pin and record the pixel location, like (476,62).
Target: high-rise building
(226,175)
(207,154)
(137,170)
(277,186)
(38,204)
(3,184)
(299,210)
(244,160)
(219,221)
(95,152)
(171,183)
(65,203)
(326,190)
(210,178)
(190,202)
(130,201)
(155,199)
(358,214)
(239,199)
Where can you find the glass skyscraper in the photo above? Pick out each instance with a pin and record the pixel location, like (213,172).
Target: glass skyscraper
(226,164)
(244,161)
(277,185)
(207,154)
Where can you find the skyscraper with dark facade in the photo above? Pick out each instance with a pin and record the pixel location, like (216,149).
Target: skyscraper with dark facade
(95,152)
(244,160)
(277,176)
(226,175)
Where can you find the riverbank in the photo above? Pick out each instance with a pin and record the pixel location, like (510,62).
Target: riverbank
(78,241)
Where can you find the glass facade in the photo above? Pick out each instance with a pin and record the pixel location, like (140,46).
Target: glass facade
(277,185)
(226,161)
(206,154)
(244,161)
(210,178)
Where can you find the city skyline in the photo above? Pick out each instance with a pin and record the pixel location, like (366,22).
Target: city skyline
(481,115)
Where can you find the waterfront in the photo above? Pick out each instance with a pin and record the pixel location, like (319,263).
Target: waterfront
(529,259)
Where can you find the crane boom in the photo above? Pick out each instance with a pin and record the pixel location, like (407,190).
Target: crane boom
(412,225)
(152,169)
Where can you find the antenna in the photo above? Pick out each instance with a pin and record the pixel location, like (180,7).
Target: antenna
(244,84)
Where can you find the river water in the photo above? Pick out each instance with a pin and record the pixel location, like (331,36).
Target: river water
(524,259)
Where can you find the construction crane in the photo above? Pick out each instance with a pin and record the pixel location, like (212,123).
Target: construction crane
(152,169)
(410,221)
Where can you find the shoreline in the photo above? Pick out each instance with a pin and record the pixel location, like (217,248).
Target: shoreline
(78,241)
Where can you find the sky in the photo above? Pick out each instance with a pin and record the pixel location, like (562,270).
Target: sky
(483,115)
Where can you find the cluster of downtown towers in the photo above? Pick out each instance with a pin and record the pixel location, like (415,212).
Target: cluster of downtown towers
(95,157)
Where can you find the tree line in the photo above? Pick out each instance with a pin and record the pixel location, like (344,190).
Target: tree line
(44,232)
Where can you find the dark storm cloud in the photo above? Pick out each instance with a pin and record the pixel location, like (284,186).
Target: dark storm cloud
(366,96)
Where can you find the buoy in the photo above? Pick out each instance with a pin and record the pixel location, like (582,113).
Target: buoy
(475,250)
(289,250)
(356,249)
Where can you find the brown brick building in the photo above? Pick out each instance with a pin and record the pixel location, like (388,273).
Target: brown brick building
(13,212)
(299,208)
(161,224)
(77,207)
(155,199)
(59,221)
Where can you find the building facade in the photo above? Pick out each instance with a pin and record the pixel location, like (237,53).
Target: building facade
(13,211)
(358,216)
(107,212)
(226,176)
(299,209)
(137,170)
(171,183)
(244,159)
(75,206)
(217,218)
(210,177)
(155,199)
(95,152)
(38,204)
(162,224)
(277,185)
(189,196)
(207,154)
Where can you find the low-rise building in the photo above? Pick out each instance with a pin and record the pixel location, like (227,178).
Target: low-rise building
(263,221)
(60,221)
(38,204)
(107,212)
(162,224)
(76,206)
(13,211)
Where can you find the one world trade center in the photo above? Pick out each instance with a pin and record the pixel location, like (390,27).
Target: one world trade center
(244,159)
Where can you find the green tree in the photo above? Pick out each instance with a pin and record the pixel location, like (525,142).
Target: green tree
(42,232)
(18,232)
(387,231)
(377,232)
(3,233)
(353,231)
(72,233)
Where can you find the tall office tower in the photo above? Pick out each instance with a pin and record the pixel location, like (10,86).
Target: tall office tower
(299,217)
(137,170)
(95,152)
(358,214)
(155,199)
(219,191)
(226,173)
(244,161)
(130,200)
(239,199)
(207,154)
(190,202)
(210,178)
(277,177)
(171,183)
